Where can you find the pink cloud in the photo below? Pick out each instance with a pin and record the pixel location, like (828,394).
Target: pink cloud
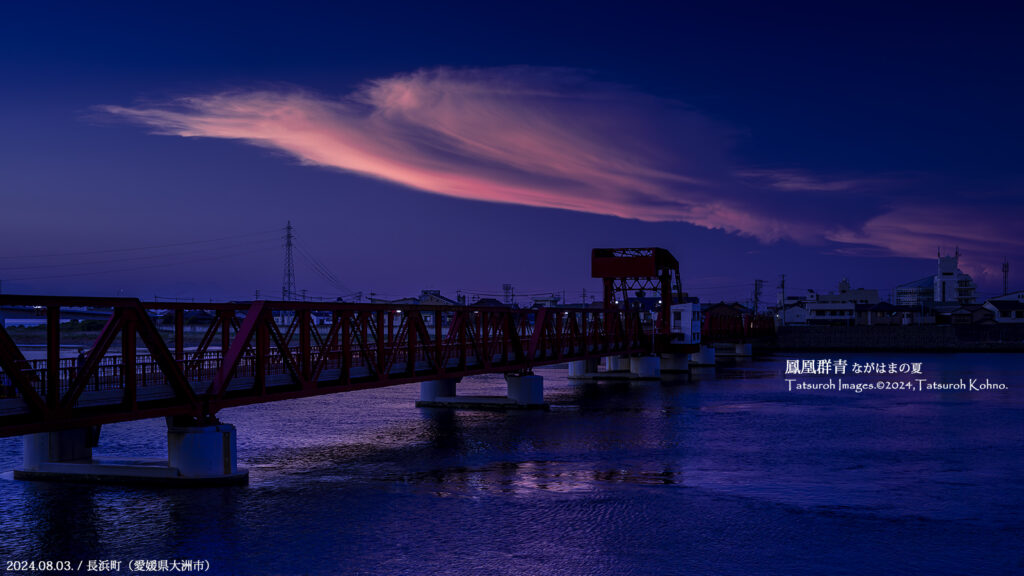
(545,138)
(553,138)
(985,237)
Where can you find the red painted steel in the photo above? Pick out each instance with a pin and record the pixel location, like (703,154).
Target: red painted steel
(626,271)
(270,351)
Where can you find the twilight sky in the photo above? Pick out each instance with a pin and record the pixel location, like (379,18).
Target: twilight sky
(159,150)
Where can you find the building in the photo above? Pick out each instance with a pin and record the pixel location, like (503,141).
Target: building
(886,314)
(840,308)
(1006,311)
(917,294)
(686,321)
(793,314)
(949,285)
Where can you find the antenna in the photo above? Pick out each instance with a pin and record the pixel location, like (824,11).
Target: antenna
(288,284)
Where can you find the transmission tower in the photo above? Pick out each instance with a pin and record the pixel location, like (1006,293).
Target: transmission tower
(1006,276)
(288,284)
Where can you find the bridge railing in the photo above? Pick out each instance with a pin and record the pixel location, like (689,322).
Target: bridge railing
(164,359)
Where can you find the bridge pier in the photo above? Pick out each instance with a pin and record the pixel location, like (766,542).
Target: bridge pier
(645,367)
(616,363)
(204,451)
(432,390)
(61,446)
(525,389)
(706,356)
(744,349)
(583,369)
(675,363)
(196,455)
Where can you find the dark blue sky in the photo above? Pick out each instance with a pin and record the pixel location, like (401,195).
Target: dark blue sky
(817,140)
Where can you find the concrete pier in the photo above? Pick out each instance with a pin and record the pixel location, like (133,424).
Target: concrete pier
(675,363)
(706,356)
(61,446)
(441,394)
(525,389)
(203,451)
(197,456)
(578,370)
(616,363)
(744,349)
(645,367)
(431,390)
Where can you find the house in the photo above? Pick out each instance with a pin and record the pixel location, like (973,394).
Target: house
(793,314)
(491,302)
(1006,311)
(972,314)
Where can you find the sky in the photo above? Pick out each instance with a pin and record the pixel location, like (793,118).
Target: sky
(158,150)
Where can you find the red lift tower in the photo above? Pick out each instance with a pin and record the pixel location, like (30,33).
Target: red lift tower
(629,271)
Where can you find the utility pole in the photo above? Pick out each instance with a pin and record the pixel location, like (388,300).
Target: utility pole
(757,294)
(288,283)
(1006,276)
(782,287)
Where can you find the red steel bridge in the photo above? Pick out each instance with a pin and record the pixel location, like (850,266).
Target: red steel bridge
(139,366)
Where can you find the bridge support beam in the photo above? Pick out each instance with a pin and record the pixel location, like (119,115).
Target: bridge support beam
(744,349)
(432,390)
(525,389)
(645,367)
(675,363)
(706,356)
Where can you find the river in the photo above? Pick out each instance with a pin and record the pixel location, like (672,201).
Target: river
(723,472)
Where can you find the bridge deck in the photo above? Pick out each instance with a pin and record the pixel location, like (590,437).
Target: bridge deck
(270,351)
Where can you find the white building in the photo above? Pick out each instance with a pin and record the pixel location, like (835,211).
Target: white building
(948,286)
(686,322)
(951,285)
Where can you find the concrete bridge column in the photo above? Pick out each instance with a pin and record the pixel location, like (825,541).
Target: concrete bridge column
(645,367)
(578,370)
(616,363)
(61,446)
(744,349)
(525,389)
(431,390)
(706,356)
(203,451)
(675,363)
(196,455)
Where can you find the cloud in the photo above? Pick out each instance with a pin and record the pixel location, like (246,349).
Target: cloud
(545,138)
(557,138)
(799,181)
(984,235)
